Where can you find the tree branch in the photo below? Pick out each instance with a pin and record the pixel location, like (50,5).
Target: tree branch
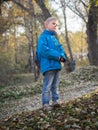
(41,5)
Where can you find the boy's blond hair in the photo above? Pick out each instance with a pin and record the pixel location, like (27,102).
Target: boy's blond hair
(49,19)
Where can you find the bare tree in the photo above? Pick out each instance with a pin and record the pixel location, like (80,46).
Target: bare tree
(29,27)
(90,18)
(69,62)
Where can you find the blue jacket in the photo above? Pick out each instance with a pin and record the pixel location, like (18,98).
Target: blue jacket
(49,50)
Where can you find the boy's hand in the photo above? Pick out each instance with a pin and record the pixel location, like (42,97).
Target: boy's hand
(61,59)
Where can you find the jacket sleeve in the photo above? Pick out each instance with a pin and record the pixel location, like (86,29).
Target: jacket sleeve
(45,51)
(62,52)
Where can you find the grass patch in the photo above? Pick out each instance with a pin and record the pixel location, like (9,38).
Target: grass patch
(2,87)
(65,84)
(18,92)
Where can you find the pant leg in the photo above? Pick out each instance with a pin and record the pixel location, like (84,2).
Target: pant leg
(55,85)
(47,83)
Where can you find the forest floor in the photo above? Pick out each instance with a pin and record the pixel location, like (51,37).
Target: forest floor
(15,100)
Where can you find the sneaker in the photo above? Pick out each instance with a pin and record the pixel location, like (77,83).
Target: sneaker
(47,107)
(57,103)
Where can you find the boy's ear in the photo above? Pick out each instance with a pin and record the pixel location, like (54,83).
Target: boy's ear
(46,24)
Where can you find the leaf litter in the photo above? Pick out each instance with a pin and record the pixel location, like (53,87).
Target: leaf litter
(78,114)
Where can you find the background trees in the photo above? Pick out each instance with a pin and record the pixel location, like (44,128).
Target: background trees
(88,12)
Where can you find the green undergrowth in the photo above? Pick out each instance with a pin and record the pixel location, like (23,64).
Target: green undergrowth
(85,74)
(77,114)
(24,85)
(18,92)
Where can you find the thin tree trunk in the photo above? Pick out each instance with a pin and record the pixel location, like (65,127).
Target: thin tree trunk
(69,64)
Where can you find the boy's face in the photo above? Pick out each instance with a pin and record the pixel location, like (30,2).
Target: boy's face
(52,25)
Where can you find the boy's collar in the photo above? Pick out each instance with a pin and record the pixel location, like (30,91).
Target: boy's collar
(49,32)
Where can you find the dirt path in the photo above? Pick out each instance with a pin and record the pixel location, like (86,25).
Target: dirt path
(34,102)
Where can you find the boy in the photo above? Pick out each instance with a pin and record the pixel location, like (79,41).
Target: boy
(50,54)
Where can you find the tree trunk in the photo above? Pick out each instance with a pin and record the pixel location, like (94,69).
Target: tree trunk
(92,33)
(43,8)
(70,63)
(41,4)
